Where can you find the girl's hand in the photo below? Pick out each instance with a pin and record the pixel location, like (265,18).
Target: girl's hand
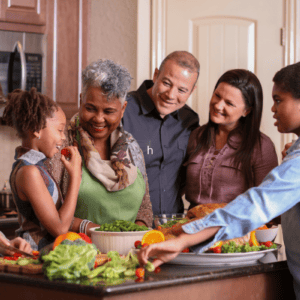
(73,165)
(164,251)
(17,243)
(21,244)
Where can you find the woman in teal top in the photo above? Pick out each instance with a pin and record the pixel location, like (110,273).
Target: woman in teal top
(114,183)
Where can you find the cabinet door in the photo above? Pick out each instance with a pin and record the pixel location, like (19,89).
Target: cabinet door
(67,51)
(23,15)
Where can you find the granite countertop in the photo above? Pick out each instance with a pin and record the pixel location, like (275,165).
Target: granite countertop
(170,275)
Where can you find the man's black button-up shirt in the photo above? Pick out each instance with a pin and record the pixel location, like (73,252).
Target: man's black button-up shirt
(164,142)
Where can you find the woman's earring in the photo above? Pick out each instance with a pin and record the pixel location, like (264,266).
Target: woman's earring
(39,137)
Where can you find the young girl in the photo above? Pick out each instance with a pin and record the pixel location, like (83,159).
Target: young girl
(279,193)
(40,123)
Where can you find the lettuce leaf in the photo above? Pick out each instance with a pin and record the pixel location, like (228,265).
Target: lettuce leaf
(69,261)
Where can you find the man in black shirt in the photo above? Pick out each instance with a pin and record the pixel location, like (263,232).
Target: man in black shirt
(159,119)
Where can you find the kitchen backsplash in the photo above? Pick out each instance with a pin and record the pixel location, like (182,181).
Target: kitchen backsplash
(8,143)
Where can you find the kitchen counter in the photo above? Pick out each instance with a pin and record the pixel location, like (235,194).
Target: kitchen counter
(257,281)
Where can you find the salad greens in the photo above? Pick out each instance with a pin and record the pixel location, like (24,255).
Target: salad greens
(173,222)
(73,260)
(70,260)
(22,261)
(119,267)
(231,247)
(121,225)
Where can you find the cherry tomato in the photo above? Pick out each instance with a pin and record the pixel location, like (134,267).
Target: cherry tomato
(217,249)
(186,250)
(140,272)
(268,244)
(36,253)
(145,245)
(140,279)
(95,265)
(7,257)
(16,255)
(137,244)
(65,152)
(157,270)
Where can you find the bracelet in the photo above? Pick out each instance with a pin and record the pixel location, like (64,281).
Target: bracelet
(83,225)
(86,224)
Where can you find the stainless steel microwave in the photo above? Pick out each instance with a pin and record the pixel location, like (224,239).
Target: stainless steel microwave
(22,61)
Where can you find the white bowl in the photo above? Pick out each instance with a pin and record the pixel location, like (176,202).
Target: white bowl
(115,241)
(266,235)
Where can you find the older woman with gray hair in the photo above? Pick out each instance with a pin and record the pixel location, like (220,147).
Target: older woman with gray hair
(114,183)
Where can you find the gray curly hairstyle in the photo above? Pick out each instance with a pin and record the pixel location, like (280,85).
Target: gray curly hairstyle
(113,79)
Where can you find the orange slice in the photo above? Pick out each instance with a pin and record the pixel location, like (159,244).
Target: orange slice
(72,236)
(152,237)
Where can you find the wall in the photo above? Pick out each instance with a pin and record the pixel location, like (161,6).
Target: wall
(113,33)
(8,142)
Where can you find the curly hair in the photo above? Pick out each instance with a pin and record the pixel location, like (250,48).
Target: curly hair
(28,111)
(113,79)
(288,79)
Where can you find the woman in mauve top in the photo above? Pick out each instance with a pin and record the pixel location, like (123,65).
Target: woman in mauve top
(229,154)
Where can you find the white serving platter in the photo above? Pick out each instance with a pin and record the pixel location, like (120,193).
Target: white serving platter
(222,259)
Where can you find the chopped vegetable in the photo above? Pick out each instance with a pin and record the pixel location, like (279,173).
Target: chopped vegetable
(66,152)
(173,222)
(231,247)
(186,250)
(253,241)
(120,226)
(137,244)
(21,261)
(140,272)
(268,244)
(217,249)
(149,266)
(157,270)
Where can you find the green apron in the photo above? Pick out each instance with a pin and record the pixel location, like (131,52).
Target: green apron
(100,206)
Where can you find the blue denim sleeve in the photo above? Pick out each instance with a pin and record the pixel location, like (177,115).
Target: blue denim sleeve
(278,192)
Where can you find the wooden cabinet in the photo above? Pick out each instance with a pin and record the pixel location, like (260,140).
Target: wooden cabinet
(67,44)
(23,15)
(65,24)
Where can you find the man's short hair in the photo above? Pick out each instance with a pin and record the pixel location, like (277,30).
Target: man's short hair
(184,59)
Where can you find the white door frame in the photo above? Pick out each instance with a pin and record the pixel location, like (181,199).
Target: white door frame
(291,44)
